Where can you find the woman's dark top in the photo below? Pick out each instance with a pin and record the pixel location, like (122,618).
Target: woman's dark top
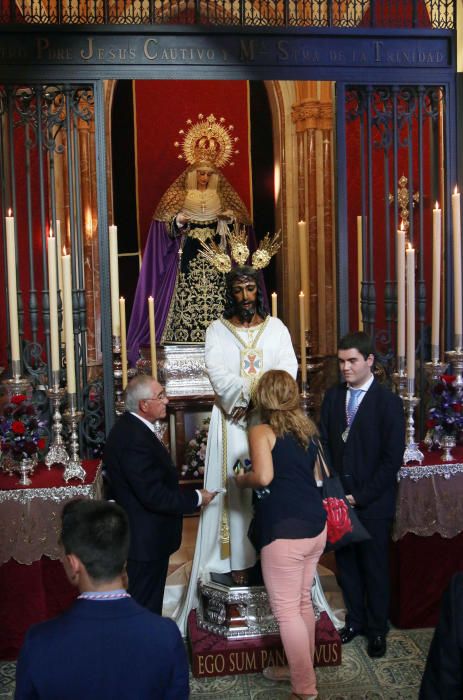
(293,509)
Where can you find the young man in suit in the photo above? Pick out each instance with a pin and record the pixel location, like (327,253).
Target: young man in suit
(144,481)
(106,645)
(363,430)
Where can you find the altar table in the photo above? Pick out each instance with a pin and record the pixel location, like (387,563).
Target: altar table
(33,585)
(427,536)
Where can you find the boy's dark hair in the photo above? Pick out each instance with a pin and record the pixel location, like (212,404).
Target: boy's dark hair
(359,340)
(98,533)
(238,273)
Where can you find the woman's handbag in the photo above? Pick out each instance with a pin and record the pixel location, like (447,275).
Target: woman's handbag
(342,523)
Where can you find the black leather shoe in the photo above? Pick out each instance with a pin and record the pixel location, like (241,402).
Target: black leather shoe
(377,646)
(348,633)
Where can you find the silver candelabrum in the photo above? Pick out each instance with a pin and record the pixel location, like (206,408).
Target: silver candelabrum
(57,453)
(412,451)
(17,384)
(455,358)
(400,377)
(74,468)
(117,372)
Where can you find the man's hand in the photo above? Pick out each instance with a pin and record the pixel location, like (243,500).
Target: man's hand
(238,413)
(351,500)
(207,497)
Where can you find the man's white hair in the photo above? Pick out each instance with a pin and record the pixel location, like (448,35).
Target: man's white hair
(139,388)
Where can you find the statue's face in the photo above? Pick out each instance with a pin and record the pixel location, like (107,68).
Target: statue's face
(202,178)
(244,291)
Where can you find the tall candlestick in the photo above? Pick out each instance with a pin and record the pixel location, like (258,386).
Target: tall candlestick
(410,255)
(436,281)
(359,268)
(401,292)
(59,249)
(114,280)
(53,303)
(12,287)
(304,265)
(68,324)
(274,304)
(457,268)
(123,332)
(154,364)
(302,329)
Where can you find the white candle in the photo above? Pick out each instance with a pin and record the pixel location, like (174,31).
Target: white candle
(114,280)
(59,248)
(12,287)
(123,331)
(274,304)
(304,263)
(401,292)
(302,329)
(154,365)
(359,269)
(436,281)
(53,303)
(410,255)
(68,324)
(457,268)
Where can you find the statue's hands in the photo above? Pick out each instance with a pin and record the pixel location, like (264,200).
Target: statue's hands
(207,496)
(227,214)
(182,219)
(238,413)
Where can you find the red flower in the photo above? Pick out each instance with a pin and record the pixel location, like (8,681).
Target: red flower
(41,443)
(448,378)
(18,427)
(338,521)
(457,407)
(19,398)
(431,423)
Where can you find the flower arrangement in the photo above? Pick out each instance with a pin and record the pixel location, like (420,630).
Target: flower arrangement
(21,432)
(195,453)
(445,414)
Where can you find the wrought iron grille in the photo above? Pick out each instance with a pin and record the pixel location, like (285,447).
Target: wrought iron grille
(394,135)
(436,14)
(47,149)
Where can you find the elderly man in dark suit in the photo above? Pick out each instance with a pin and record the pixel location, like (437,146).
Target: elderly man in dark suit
(363,430)
(143,480)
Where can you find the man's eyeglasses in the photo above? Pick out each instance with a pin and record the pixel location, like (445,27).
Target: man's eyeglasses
(160,397)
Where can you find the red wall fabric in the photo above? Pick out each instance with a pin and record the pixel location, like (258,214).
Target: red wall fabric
(162,108)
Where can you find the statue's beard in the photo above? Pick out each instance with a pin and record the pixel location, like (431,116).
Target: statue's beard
(246,315)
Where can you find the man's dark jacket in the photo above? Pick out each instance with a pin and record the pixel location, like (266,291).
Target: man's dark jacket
(144,481)
(369,460)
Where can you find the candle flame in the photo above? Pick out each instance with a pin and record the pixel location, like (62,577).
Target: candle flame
(437,205)
(402,226)
(50,232)
(64,250)
(301,294)
(9,212)
(150,298)
(409,246)
(455,191)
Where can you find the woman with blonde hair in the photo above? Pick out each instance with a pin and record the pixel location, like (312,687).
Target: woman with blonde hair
(289,522)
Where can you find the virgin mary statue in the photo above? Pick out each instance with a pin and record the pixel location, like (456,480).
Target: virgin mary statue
(199,207)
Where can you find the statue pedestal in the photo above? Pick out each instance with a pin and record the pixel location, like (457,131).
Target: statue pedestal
(214,655)
(181,368)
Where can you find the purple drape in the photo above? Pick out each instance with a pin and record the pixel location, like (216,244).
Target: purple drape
(157,279)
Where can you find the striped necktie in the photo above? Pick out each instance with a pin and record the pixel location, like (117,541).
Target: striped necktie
(353,404)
